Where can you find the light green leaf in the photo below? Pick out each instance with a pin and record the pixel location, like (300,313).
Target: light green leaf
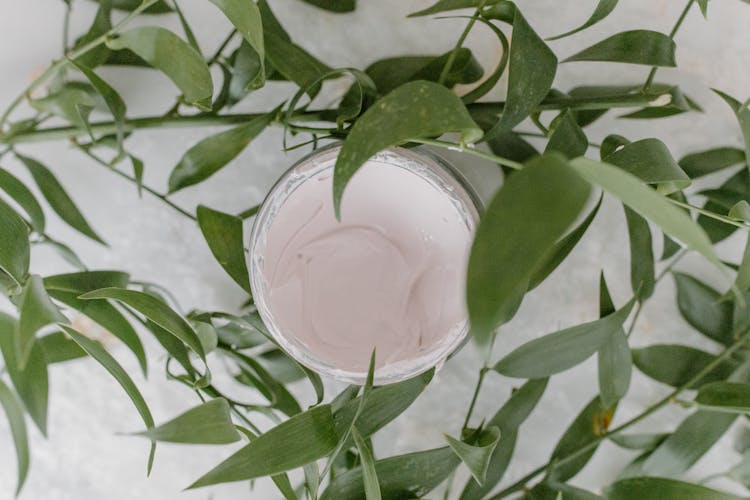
(37,311)
(731,397)
(477,457)
(300,440)
(414,110)
(58,198)
(703,4)
(338,6)
(159,7)
(704,308)
(707,162)
(642,271)
(740,211)
(638,441)
(58,348)
(72,103)
(614,360)
(213,153)
(562,350)
(653,488)
(208,423)
(742,112)
(172,56)
(369,473)
(25,199)
(545,191)
(404,476)
(602,10)
(101,24)
(489,83)
(743,273)
(635,47)
(650,161)
(14,245)
(649,204)
(676,365)
(532,69)
(223,233)
(86,281)
(245,73)
(245,16)
(566,136)
(17,424)
(447,5)
(155,310)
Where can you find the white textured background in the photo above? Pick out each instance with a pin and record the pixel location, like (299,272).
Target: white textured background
(85,458)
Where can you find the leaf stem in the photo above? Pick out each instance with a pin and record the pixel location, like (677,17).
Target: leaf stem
(482,373)
(221,48)
(675,29)
(454,146)
(454,53)
(710,214)
(66,26)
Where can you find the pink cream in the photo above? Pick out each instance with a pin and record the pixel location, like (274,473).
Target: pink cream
(389,276)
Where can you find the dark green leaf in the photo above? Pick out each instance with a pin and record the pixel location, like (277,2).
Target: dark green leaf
(603,9)
(638,441)
(58,198)
(532,69)
(731,397)
(447,5)
(510,145)
(567,136)
(276,393)
(477,456)
(339,6)
(614,359)
(704,309)
(14,245)
(735,189)
(405,476)
(113,100)
(86,281)
(159,7)
(171,55)
(17,424)
(653,488)
(298,441)
(209,423)
(223,233)
(245,16)
(642,272)
(703,4)
(96,351)
(545,191)
(101,24)
(414,110)
(155,310)
(562,350)
(742,112)
(635,47)
(213,153)
(369,473)
(245,72)
(489,83)
(707,162)
(59,348)
(676,365)
(37,311)
(650,161)
(25,199)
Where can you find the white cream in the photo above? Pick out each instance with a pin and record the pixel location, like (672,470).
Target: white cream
(389,276)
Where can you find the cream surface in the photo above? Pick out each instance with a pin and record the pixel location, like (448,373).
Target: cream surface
(389,276)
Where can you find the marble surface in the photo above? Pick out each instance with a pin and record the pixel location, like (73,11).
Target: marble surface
(87,457)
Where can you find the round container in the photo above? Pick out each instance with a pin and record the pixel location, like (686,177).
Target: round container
(389,276)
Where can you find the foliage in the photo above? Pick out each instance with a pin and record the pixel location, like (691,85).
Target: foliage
(399,100)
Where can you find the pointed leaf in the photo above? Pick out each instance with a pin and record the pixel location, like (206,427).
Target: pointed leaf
(635,47)
(615,361)
(676,365)
(477,457)
(113,100)
(209,423)
(369,473)
(245,16)
(602,10)
(14,245)
(742,112)
(730,397)
(707,162)
(25,199)
(223,233)
(159,7)
(14,412)
(86,281)
(704,309)
(654,488)
(447,5)
(339,6)
(37,311)
(650,161)
(58,348)
(642,268)
(740,211)
(567,137)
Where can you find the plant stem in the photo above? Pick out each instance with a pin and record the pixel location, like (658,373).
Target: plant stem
(66,26)
(452,56)
(728,352)
(221,48)
(475,152)
(482,373)
(675,29)
(710,214)
(246,214)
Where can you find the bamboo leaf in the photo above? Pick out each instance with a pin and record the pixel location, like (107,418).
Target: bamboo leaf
(338,6)
(730,397)
(208,423)
(159,7)
(14,245)
(37,311)
(676,365)
(369,473)
(653,488)
(650,161)
(707,162)
(742,112)
(477,457)
(703,307)
(448,5)
(245,16)
(25,199)
(602,10)
(58,348)
(614,359)
(14,412)
(223,233)
(635,47)
(642,268)
(567,137)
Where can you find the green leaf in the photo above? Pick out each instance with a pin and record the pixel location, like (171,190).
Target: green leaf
(730,397)
(703,4)
(213,153)
(510,145)
(732,191)
(602,10)
(545,191)
(676,365)
(223,233)
(707,162)
(208,423)
(96,351)
(508,419)
(339,6)
(635,47)
(59,348)
(653,488)
(587,428)
(562,350)
(58,198)
(532,69)
(614,360)
(649,204)
(562,248)
(642,272)
(14,245)
(72,103)
(638,441)
(300,440)
(25,199)
(414,110)
(174,57)
(404,476)
(245,72)
(17,424)
(31,382)
(704,309)
(101,24)
(130,5)
(245,16)
(477,457)
(650,161)
(740,211)
(276,393)
(369,473)
(688,443)
(155,310)
(742,112)
(567,137)
(447,5)
(37,311)
(86,281)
